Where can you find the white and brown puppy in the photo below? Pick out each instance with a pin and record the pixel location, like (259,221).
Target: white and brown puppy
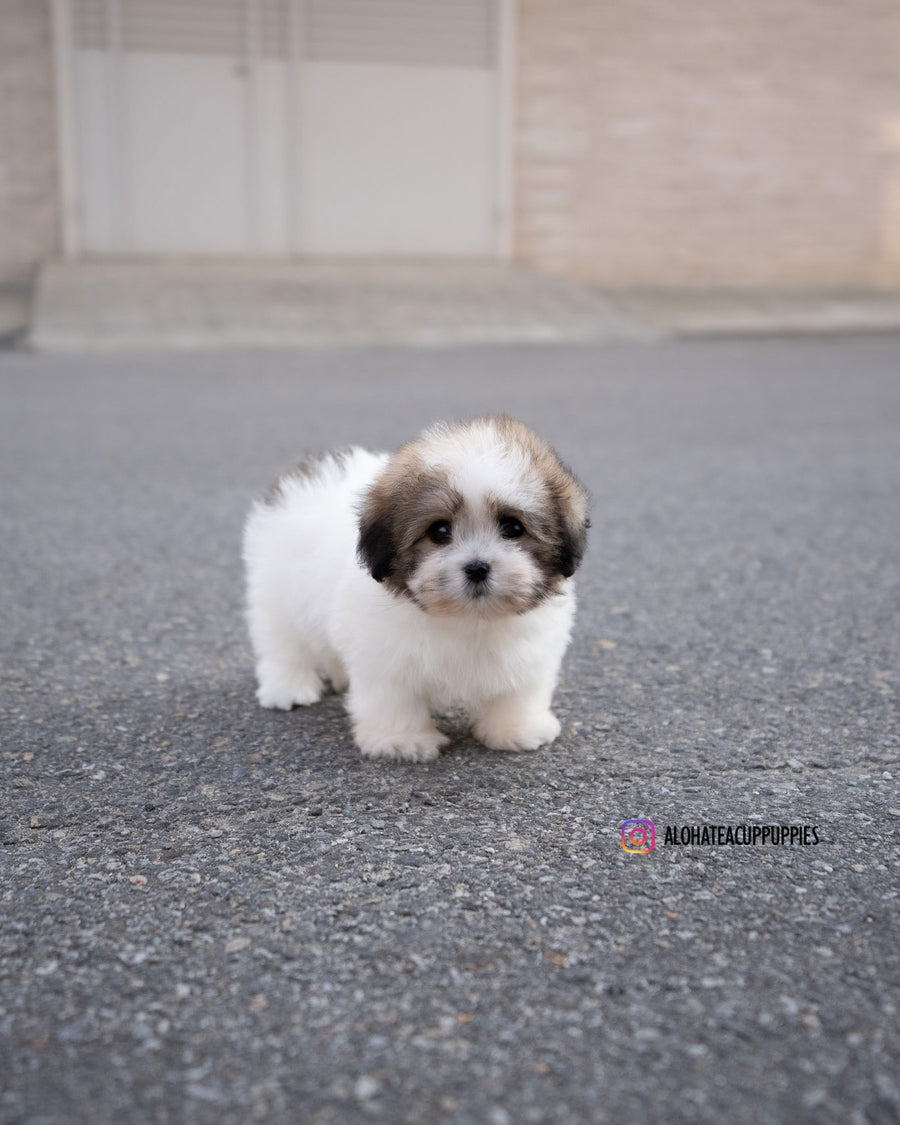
(438,577)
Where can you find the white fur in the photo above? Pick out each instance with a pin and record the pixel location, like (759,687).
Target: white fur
(316,614)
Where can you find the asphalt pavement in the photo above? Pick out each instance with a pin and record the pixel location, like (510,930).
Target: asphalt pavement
(214,913)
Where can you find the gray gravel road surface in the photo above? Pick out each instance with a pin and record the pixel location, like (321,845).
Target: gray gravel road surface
(214,913)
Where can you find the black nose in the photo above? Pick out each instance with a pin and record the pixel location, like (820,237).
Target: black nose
(477,571)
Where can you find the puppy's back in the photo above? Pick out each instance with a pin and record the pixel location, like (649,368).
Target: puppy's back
(304,529)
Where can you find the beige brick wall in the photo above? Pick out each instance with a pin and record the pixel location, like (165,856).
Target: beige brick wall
(29,183)
(710,142)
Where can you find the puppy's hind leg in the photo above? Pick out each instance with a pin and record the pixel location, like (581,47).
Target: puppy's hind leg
(284,685)
(333,668)
(285,667)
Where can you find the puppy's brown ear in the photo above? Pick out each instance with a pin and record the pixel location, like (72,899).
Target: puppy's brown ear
(572,520)
(375,547)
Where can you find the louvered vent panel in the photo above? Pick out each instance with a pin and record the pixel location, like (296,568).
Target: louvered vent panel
(90,25)
(460,33)
(414,32)
(196,27)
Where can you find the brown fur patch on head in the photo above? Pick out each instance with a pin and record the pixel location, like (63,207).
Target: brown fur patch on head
(559,534)
(406,498)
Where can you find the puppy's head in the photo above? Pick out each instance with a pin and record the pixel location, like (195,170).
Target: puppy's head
(477,517)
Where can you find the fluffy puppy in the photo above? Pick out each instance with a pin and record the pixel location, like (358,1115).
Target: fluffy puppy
(438,577)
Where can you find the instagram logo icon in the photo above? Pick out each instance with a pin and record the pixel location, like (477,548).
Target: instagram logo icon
(638,836)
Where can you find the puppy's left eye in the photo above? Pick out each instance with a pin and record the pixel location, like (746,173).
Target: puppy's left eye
(511,528)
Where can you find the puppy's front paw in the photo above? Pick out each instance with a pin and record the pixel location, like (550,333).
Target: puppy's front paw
(518,734)
(413,746)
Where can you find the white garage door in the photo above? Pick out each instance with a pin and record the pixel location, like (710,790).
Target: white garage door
(284,126)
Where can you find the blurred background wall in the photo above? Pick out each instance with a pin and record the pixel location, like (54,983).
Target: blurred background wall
(636,144)
(710,142)
(30,212)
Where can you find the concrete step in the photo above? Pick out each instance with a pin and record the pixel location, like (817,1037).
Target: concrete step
(15,314)
(120,304)
(753,312)
(141,304)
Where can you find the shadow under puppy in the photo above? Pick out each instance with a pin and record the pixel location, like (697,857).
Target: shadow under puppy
(438,577)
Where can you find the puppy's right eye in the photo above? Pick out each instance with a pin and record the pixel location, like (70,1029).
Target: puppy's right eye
(440,532)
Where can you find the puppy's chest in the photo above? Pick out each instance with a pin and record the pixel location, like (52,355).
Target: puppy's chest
(457,671)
